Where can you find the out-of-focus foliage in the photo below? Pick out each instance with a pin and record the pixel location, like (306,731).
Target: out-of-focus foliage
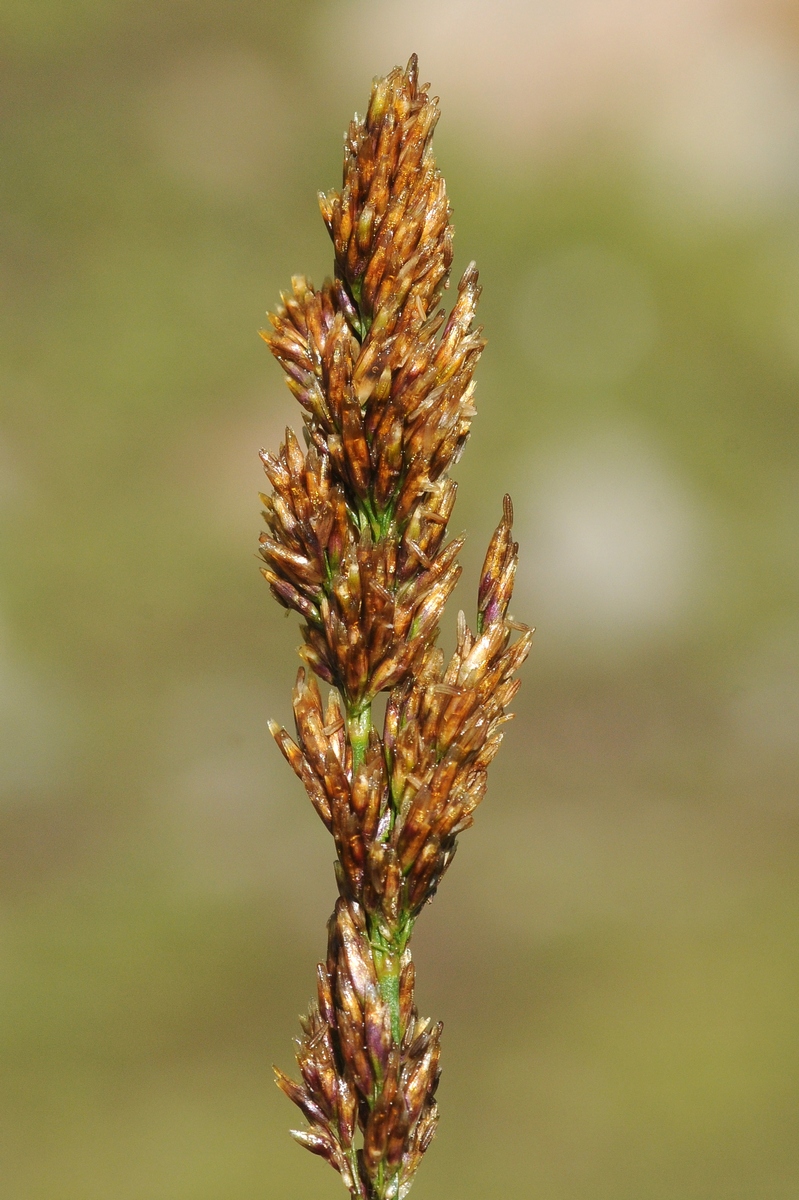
(614,954)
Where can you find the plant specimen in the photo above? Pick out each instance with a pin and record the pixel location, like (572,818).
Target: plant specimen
(356,543)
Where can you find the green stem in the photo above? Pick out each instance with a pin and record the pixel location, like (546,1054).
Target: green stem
(388,946)
(389,989)
(359,725)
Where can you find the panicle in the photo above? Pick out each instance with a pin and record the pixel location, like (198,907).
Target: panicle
(356,543)
(390,221)
(361,1073)
(357,522)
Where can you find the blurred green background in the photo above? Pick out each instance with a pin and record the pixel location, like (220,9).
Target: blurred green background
(615,954)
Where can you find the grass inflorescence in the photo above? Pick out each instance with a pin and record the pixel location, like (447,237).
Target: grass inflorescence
(356,544)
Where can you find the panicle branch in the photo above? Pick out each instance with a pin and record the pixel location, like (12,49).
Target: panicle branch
(356,543)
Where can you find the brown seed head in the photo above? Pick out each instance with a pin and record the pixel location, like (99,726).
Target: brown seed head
(356,543)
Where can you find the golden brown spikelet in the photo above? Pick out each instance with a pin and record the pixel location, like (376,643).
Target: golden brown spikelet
(356,543)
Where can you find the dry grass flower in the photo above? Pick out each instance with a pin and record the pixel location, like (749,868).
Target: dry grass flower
(356,543)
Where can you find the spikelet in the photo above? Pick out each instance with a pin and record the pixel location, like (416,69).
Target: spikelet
(356,543)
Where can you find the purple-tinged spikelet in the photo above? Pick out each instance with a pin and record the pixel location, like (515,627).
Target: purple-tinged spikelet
(356,543)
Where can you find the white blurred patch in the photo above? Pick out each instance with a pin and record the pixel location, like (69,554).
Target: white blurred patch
(219,121)
(764,711)
(613,542)
(587,315)
(728,135)
(518,72)
(701,89)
